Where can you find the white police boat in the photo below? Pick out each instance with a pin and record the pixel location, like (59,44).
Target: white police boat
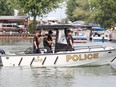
(82,56)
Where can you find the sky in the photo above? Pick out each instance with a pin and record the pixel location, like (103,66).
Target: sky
(59,13)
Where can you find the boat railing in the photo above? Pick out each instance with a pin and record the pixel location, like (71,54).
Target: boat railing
(77,48)
(88,47)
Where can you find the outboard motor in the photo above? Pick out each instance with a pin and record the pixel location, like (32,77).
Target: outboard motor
(2,51)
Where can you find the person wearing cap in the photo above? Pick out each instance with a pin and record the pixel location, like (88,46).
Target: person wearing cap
(70,41)
(36,42)
(47,43)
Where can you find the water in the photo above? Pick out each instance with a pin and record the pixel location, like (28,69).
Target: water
(101,76)
(97,76)
(15,45)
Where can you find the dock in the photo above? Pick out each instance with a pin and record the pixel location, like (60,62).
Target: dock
(13,36)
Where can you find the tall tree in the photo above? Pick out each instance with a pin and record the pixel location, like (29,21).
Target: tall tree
(71,5)
(82,10)
(35,7)
(104,12)
(77,9)
(5,8)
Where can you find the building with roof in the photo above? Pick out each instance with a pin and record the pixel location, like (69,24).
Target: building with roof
(50,21)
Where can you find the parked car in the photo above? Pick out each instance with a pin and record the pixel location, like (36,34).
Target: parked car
(7,27)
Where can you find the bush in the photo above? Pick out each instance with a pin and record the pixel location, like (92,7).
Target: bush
(31,27)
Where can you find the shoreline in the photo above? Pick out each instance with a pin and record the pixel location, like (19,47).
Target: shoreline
(30,36)
(14,36)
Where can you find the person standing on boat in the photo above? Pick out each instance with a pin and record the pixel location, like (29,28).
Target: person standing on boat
(47,44)
(70,41)
(50,39)
(36,42)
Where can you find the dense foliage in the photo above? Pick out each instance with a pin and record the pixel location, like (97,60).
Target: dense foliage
(77,10)
(5,8)
(104,12)
(101,12)
(71,5)
(35,8)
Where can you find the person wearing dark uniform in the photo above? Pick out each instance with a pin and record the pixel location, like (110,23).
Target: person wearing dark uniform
(70,41)
(47,43)
(50,39)
(36,41)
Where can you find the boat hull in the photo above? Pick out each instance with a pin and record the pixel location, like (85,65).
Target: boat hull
(85,57)
(100,39)
(80,41)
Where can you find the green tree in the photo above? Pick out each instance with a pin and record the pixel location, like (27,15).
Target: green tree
(35,8)
(71,5)
(5,8)
(104,12)
(82,10)
(77,10)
